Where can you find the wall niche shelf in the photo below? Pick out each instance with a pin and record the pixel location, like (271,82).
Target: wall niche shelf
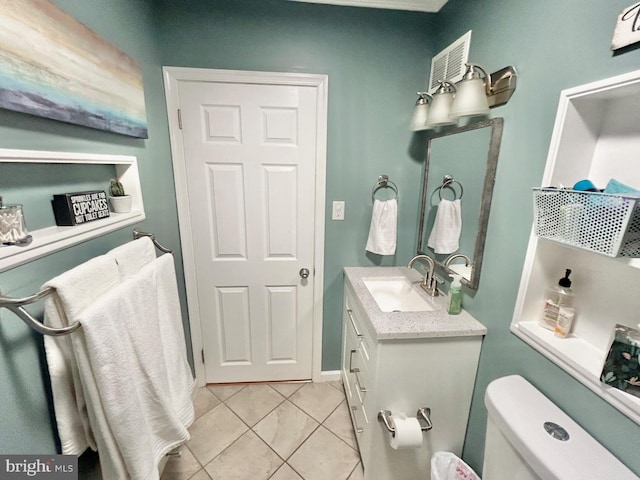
(53,238)
(595,136)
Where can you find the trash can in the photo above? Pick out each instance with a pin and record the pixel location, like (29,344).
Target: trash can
(447,466)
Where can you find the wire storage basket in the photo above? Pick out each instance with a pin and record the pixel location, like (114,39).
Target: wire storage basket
(599,222)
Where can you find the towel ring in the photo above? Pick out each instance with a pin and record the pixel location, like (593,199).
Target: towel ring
(446,183)
(383,182)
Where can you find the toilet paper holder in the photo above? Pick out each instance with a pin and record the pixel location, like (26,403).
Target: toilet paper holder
(384,416)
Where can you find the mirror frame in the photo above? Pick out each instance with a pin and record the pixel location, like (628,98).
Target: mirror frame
(496,125)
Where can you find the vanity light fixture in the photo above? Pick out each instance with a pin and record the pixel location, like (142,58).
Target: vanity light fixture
(503,84)
(471,95)
(420,112)
(474,96)
(439,113)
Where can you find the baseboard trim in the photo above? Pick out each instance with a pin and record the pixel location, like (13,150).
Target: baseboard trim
(330,375)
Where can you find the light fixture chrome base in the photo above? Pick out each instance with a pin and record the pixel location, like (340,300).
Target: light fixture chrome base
(503,84)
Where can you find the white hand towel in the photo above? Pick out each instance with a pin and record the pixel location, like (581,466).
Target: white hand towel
(384,227)
(74,290)
(445,234)
(133,255)
(132,358)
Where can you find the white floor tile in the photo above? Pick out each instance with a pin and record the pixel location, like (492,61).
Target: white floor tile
(285,428)
(286,473)
(317,399)
(204,401)
(287,389)
(224,392)
(358,473)
(249,458)
(339,422)
(284,420)
(254,402)
(201,475)
(324,456)
(213,432)
(182,467)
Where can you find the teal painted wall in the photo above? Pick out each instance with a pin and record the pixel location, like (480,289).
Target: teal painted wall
(375,59)
(553,45)
(24,418)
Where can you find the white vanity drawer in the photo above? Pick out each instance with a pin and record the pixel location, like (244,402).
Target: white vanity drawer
(354,317)
(357,360)
(360,374)
(360,422)
(356,363)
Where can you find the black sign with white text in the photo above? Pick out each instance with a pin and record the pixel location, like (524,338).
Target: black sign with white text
(81,207)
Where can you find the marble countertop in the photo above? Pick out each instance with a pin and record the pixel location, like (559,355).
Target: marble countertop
(395,325)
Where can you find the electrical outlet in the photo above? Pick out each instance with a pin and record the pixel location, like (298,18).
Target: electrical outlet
(338,210)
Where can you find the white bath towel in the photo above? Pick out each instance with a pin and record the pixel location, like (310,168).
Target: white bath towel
(384,227)
(133,255)
(132,361)
(445,234)
(74,291)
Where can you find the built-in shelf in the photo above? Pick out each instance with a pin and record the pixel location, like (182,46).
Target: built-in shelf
(581,359)
(53,238)
(596,137)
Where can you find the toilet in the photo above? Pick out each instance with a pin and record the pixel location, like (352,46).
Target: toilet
(529,438)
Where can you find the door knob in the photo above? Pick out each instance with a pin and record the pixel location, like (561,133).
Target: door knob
(304,272)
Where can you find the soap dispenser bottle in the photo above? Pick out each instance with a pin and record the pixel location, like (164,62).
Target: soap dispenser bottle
(455,295)
(557,297)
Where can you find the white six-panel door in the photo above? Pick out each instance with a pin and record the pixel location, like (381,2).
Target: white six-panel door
(250,153)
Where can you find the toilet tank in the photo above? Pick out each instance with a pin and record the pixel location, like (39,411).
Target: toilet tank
(530,438)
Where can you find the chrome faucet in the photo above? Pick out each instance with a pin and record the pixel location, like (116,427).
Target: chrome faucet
(467,260)
(430,281)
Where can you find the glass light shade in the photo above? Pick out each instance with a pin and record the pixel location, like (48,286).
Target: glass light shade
(471,99)
(439,114)
(419,118)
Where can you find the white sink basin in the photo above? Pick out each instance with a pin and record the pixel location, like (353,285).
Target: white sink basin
(396,294)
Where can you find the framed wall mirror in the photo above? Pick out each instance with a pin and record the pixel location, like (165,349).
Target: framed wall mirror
(460,165)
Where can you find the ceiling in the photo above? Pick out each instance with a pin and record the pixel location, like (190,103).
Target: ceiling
(430,6)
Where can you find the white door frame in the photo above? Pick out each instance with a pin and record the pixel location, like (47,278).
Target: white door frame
(174,75)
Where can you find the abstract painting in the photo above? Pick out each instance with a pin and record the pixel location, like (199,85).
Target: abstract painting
(53,66)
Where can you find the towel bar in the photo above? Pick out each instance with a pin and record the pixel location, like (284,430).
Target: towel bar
(383,182)
(16,305)
(447,182)
(139,234)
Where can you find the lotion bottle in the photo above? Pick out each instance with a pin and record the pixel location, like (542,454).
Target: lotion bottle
(557,297)
(455,295)
(565,320)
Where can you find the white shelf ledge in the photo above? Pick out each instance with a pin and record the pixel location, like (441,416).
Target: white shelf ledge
(580,359)
(595,136)
(51,239)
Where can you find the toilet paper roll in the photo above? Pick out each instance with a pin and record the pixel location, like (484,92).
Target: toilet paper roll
(408,432)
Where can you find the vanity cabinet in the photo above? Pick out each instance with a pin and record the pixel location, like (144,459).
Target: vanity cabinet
(401,361)
(595,137)
(356,367)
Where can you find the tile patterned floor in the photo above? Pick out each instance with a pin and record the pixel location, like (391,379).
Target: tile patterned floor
(276,431)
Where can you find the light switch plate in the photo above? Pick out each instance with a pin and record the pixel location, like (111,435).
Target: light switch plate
(338,210)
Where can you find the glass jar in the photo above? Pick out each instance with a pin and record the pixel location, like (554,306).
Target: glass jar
(13,230)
